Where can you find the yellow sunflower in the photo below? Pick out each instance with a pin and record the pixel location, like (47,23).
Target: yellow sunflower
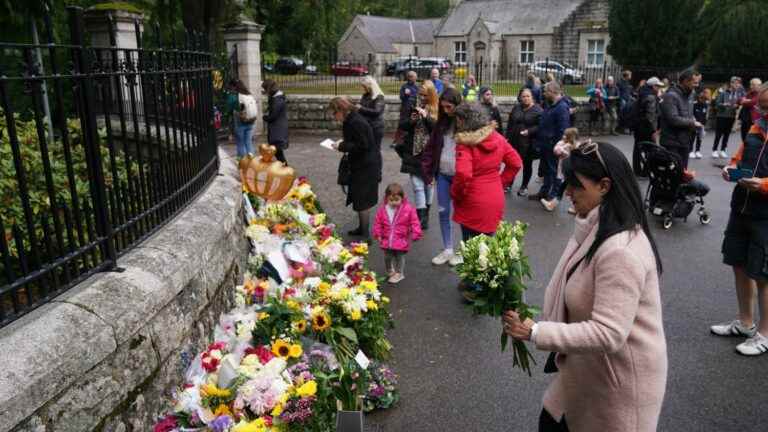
(295,351)
(281,348)
(321,321)
(300,326)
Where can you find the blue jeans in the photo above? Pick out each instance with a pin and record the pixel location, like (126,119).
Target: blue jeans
(444,208)
(551,185)
(422,192)
(243,138)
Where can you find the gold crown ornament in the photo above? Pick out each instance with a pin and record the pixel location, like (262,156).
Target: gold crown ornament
(266,177)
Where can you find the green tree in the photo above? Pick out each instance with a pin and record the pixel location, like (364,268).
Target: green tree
(739,36)
(651,32)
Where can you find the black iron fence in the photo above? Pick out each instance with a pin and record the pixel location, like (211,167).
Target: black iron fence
(99,147)
(342,77)
(295,76)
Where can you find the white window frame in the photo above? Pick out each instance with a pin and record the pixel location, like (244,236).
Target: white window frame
(527,51)
(595,52)
(460,52)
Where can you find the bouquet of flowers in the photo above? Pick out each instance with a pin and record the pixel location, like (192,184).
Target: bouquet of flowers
(497,268)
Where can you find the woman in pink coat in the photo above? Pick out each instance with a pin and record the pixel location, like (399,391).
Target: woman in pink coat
(396,224)
(477,190)
(602,309)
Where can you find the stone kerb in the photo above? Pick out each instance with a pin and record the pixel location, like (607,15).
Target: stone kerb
(103,355)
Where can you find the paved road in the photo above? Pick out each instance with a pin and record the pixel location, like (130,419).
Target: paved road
(452,374)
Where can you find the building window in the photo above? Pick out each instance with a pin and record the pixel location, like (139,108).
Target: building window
(416,51)
(460,52)
(595,52)
(526,51)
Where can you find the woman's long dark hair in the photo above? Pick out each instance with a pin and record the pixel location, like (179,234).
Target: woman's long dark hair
(622,208)
(453,96)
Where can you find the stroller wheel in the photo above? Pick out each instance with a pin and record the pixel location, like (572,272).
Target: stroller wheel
(667,224)
(704,218)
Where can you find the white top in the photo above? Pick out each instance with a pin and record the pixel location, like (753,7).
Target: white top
(391,213)
(448,155)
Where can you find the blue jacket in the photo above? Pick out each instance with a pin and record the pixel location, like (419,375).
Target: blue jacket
(438,85)
(406,99)
(554,121)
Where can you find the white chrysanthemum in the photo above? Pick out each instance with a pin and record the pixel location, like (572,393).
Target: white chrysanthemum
(514,248)
(356,302)
(482,259)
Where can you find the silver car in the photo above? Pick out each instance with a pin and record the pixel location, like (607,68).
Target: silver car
(563,72)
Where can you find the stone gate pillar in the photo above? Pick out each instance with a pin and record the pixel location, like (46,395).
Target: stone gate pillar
(98,23)
(245,38)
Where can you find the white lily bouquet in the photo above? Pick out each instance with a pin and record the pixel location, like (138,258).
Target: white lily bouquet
(496,268)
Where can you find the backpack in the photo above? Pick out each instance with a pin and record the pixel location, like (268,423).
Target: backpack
(248,108)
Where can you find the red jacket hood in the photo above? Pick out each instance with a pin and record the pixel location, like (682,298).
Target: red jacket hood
(484,138)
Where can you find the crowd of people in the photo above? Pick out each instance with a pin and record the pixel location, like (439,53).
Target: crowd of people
(605,331)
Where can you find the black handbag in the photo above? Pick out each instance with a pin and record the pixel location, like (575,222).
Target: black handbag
(345,171)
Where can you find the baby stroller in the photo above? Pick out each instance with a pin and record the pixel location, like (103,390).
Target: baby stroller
(668,197)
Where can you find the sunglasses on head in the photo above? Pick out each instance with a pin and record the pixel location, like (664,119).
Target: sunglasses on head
(591,147)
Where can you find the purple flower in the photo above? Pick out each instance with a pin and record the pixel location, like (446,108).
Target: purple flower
(221,423)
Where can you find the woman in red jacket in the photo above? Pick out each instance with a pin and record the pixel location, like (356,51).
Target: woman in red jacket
(478,186)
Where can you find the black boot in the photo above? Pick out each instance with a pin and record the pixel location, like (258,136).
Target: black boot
(422,217)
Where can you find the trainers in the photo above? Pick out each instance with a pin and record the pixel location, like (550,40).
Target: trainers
(571,210)
(733,328)
(692,155)
(723,154)
(522,192)
(698,155)
(443,257)
(396,278)
(455,260)
(549,205)
(756,345)
(715,154)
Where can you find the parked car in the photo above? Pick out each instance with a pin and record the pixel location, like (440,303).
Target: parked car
(563,72)
(289,65)
(397,65)
(423,67)
(348,69)
(310,70)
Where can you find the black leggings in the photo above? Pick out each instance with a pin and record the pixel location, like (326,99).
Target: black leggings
(527,171)
(548,424)
(723,127)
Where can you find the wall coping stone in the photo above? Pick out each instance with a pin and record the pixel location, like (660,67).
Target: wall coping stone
(50,349)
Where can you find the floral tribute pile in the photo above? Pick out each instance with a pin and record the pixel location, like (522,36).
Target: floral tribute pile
(306,338)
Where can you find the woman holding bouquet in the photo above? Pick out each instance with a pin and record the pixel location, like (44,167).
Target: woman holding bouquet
(602,309)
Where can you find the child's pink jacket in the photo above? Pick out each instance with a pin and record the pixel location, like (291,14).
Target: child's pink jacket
(398,234)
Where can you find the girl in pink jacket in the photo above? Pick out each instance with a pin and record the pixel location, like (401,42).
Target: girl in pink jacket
(395,226)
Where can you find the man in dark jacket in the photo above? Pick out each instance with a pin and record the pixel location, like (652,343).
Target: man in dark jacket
(408,95)
(678,125)
(276,118)
(645,120)
(554,121)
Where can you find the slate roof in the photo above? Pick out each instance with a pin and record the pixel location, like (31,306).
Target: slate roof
(383,32)
(508,16)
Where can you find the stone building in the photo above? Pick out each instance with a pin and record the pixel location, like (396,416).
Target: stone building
(504,35)
(375,40)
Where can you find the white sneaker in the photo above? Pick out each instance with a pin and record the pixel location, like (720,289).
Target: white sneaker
(396,278)
(723,154)
(698,155)
(692,155)
(443,257)
(549,205)
(455,260)
(733,328)
(756,345)
(715,154)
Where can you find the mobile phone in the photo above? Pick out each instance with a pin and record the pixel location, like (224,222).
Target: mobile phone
(736,174)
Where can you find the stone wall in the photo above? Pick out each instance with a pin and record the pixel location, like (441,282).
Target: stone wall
(104,355)
(310,113)
(591,17)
